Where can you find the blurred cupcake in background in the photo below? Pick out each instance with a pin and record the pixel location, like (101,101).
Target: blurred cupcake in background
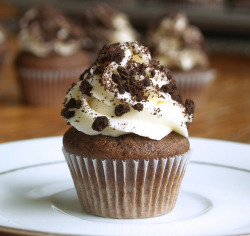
(4,47)
(51,57)
(105,25)
(181,48)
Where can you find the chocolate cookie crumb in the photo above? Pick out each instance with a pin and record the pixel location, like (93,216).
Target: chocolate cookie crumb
(190,106)
(67,114)
(100,123)
(121,109)
(72,103)
(138,106)
(146,81)
(99,70)
(85,87)
(111,53)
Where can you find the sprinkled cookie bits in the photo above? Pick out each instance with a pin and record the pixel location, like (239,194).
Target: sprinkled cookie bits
(85,87)
(100,123)
(121,109)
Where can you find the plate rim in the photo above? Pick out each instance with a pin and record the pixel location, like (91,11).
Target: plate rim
(19,231)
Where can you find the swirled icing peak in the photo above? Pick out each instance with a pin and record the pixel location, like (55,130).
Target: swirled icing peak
(125,91)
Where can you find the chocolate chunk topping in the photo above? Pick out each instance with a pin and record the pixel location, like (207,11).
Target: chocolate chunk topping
(67,114)
(100,123)
(152,73)
(123,72)
(176,97)
(190,106)
(110,53)
(146,81)
(138,106)
(118,80)
(72,103)
(121,109)
(99,70)
(85,87)
(169,88)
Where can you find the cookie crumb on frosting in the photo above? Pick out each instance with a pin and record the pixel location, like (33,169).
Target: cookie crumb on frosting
(100,123)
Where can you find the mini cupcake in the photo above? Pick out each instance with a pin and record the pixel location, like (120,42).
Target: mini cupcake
(181,48)
(105,25)
(51,57)
(128,148)
(4,47)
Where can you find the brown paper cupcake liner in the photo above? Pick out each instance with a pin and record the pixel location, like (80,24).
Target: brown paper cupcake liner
(46,87)
(127,189)
(195,84)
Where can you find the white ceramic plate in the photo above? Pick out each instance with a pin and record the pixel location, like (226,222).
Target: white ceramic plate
(37,196)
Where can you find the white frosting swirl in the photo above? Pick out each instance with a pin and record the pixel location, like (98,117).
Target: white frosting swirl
(160,115)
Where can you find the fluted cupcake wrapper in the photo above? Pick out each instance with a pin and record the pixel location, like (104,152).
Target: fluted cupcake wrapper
(46,87)
(127,189)
(194,85)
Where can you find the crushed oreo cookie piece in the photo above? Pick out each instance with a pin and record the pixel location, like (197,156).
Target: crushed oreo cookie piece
(111,53)
(138,106)
(121,109)
(72,103)
(99,70)
(190,106)
(146,81)
(123,72)
(100,123)
(85,87)
(67,114)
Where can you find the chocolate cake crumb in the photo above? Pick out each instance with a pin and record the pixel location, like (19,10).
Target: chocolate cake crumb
(138,106)
(99,70)
(190,106)
(85,87)
(111,53)
(169,88)
(67,114)
(146,81)
(121,109)
(73,103)
(123,72)
(176,97)
(100,123)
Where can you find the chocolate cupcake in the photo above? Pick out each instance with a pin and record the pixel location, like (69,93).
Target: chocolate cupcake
(51,57)
(105,25)
(128,148)
(181,48)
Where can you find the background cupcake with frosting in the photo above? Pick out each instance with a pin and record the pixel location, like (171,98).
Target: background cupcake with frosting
(105,25)
(181,48)
(51,55)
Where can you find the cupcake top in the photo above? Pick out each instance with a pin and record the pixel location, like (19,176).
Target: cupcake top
(125,91)
(106,25)
(177,44)
(45,30)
